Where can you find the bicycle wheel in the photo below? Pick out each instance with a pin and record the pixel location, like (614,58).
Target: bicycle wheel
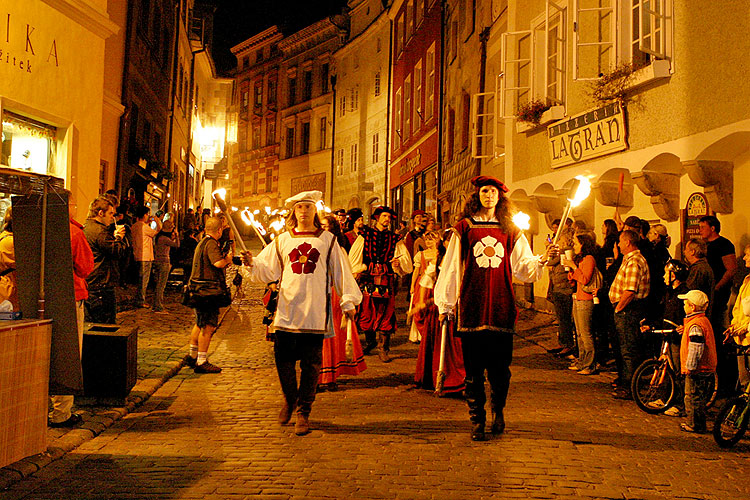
(712,393)
(653,386)
(731,422)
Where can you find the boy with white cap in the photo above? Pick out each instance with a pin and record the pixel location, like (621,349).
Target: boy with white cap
(698,359)
(306,261)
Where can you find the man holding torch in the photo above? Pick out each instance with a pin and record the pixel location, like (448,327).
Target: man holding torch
(485,253)
(305,261)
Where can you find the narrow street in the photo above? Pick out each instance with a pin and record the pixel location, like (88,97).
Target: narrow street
(216,436)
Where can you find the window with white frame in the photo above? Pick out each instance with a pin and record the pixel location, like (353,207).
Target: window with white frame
(409,19)
(354,99)
(340,161)
(430,93)
(417,123)
(342,105)
(609,33)
(354,157)
(397,120)
(398,33)
(407,108)
(375,147)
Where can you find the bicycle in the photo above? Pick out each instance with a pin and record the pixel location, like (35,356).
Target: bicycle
(654,383)
(733,418)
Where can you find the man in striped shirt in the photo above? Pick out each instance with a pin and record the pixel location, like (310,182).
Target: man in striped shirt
(698,359)
(627,294)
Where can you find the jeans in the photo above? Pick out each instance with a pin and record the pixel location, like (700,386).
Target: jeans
(583,311)
(144,271)
(697,387)
(563,304)
(162,273)
(101,306)
(289,347)
(627,324)
(493,352)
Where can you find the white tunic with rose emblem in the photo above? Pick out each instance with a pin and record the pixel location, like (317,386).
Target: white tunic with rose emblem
(307,265)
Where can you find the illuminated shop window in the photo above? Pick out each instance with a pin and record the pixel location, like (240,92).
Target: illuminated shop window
(28,145)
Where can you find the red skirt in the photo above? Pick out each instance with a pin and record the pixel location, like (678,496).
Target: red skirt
(428,360)
(334,349)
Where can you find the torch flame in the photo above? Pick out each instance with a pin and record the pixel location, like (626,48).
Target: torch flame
(268,210)
(221,193)
(521,220)
(583,191)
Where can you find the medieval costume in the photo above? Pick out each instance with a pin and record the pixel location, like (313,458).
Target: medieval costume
(335,361)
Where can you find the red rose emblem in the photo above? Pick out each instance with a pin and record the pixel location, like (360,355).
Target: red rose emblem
(304,258)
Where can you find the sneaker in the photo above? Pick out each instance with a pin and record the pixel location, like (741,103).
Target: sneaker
(586,371)
(674,412)
(73,420)
(574,367)
(206,368)
(302,426)
(656,404)
(191,361)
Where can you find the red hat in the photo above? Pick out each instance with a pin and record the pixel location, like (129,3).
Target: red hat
(418,212)
(382,209)
(486,180)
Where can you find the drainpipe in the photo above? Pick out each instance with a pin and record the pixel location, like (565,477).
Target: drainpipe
(333,133)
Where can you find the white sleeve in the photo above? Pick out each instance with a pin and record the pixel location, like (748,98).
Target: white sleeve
(343,279)
(356,256)
(428,278)
(266,266)
(401,254)
(449,278)
(526,266)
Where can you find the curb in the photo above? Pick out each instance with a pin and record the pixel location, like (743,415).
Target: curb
(90,428)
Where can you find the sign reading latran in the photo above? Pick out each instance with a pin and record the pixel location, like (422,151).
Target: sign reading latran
(587,135)
(314,182)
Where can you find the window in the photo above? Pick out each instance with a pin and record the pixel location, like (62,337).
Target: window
(289,142)
(241,186)
(354,157)
(292,91)
(324,76)
(271,93)
(453,40)
(323,132)
(244,100)
(409,19)
(465,119)
(449,141)
(305,138)
(378,46)
(146,135)
(340,161)
(342,105)
(377,84)
(269,180)
(407,108)
(397,120)
(420,12)
(255,182)
(418,95)
(375,147)
(354,99)
(430,72)
(245,62)
(270,133)
(307,85)
(399,33)
(103,171)
(468,13)
(157,144)
(258,101)
(550,40)
(256,137)
(259,56)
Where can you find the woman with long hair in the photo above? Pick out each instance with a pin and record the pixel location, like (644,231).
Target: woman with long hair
(583,268)
(486,251)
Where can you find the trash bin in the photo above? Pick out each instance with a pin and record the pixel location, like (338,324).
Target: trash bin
(109,360)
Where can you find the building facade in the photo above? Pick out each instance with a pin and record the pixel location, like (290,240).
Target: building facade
(306,113)
(415,105)
(361,69)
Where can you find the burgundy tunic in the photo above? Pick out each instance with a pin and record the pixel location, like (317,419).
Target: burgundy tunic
(486,300)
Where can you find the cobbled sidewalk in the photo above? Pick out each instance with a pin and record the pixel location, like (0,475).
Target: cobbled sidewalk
(216,437)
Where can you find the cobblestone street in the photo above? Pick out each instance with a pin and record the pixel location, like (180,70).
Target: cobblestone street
(216,436)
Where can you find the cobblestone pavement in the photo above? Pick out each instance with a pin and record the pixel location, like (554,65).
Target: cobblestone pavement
(216,436)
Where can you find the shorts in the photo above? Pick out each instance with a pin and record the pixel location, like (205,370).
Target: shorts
(207,317)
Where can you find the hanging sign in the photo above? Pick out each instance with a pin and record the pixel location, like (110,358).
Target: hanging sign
(587,135)
(695,208)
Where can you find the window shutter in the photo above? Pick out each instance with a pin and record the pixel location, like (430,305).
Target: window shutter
(594,32)
(516,67)
(652,22)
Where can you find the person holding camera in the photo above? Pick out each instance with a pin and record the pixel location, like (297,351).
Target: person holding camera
(143,249)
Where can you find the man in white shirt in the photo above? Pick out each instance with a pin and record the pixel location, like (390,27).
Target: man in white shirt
(143,248)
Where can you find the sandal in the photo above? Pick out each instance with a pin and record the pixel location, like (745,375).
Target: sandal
(688,428)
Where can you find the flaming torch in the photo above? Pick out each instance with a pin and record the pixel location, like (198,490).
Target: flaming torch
(218,196)
(579,191)
(249,219)
(522,221)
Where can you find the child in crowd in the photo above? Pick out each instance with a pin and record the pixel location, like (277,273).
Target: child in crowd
(698,359)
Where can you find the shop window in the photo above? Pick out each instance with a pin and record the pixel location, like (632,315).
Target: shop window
(27,144)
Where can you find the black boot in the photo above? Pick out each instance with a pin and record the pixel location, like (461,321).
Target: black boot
(383,347)
(477,432)
(370,343)
(498,422)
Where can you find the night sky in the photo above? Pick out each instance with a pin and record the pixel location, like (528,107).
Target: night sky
(238,20)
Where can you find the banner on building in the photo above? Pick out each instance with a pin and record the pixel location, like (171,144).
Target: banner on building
(314,182)
(588,135)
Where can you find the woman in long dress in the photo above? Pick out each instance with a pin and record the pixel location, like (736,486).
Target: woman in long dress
(335,359)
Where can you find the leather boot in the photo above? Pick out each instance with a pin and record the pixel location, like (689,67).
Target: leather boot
(383,349)
(477,432)
(498,422)
(286,413)
(302,426)
(370,343)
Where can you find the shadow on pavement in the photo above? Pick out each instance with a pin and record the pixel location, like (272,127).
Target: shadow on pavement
(400,427)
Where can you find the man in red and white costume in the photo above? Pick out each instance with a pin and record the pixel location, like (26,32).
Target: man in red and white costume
(475,284)
(305,261)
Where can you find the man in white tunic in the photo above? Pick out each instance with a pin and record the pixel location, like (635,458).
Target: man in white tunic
(305,261)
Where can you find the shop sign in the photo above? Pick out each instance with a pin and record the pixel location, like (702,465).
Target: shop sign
(315,182)
(695,208)
(22,46)
(588,135)
(411,164)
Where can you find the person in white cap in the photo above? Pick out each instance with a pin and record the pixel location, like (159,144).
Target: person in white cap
(306,261)
(698,359)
